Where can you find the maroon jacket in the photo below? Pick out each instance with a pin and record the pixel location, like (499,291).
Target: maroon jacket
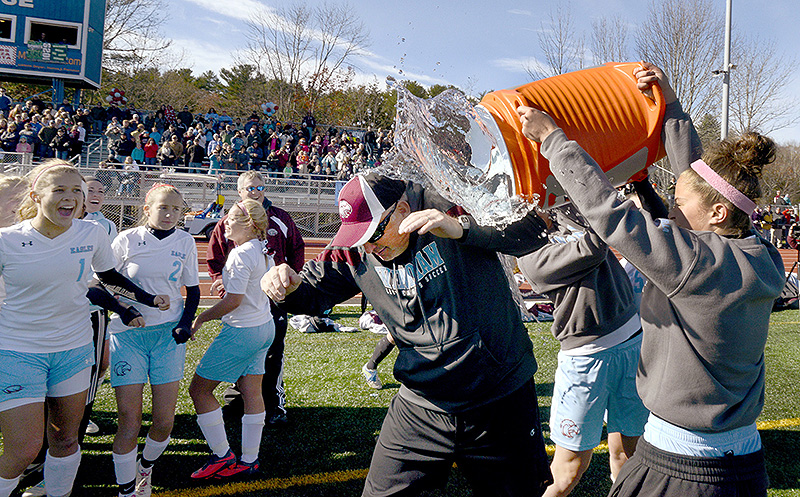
(283,238)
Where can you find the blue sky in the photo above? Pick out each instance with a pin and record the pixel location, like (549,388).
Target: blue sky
(467,44)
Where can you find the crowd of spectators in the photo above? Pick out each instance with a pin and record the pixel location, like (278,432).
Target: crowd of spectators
(777,222)
(188,142)
(40,129)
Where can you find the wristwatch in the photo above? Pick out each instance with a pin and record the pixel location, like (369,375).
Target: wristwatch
(465,224)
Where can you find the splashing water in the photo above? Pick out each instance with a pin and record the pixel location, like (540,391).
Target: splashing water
(456,148)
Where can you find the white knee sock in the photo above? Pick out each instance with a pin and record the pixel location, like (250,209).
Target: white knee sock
(252,426)
(213,429)
(8,486)
(125,466)
(152,449)
(60,473)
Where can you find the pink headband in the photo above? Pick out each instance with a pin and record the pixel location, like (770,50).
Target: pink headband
(727,190)
(155,185)
(44,170)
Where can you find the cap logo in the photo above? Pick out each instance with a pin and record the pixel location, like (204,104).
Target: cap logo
(345,209)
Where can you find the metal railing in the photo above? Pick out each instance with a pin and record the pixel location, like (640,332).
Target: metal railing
(310,201)
(92,149)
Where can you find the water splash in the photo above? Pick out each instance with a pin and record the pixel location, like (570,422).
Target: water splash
(456,148)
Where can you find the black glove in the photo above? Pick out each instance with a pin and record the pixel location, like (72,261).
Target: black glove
(181,334)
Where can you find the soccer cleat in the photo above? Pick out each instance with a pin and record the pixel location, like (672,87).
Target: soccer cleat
(143,478)
(371,375)
(214,465)
(279,418)
(238,468)
(35,491)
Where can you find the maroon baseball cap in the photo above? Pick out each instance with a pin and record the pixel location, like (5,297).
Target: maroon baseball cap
(362,201)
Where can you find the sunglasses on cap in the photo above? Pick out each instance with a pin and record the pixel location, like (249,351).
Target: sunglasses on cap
(379,230)
(259,188)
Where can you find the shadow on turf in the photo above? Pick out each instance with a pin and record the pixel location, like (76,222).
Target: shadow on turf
(316,440)
(781,449)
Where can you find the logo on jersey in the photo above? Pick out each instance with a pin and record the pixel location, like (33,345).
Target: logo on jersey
(428,264)
(569,428)
(29,244)
(141,243)
(179,255)
(345,209)
(12,389)
(272,232)
(122,368)
(81,249)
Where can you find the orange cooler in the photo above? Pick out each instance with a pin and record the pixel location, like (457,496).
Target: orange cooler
(600,108)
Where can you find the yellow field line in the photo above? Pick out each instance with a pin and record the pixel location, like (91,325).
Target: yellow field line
(360,474)
(271,484)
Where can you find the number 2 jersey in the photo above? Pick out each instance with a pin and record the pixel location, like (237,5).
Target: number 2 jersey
(160,267)
(46,309)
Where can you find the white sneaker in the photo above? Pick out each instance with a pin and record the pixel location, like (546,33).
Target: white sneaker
(143,475)
(35,491)
(92,428)
(371,375)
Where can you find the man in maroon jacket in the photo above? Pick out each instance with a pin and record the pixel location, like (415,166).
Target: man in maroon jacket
(287,245)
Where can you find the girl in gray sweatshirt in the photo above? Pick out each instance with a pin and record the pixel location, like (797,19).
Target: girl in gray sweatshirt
(705,309)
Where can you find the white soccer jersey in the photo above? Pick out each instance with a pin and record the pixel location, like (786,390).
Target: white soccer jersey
(160,267)
(46,309)
(242,275)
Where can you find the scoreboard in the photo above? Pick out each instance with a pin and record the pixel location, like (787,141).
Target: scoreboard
(42,40)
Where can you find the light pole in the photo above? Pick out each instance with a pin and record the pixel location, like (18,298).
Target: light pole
(726,72)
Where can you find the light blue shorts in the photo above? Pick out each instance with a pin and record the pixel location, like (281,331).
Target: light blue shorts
(591,388)
(237,352)
(28,377)
(139,353)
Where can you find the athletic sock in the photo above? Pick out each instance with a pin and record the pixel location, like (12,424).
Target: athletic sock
(125,468)
(152,450)
(60,472)
(252,427)
(8,486)
(383,348)
(213,429)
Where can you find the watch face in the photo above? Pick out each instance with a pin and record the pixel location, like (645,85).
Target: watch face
(464,220)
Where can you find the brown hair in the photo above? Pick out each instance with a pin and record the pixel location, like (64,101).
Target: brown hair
(740,161)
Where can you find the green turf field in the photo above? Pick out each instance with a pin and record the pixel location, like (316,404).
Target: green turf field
(334,419)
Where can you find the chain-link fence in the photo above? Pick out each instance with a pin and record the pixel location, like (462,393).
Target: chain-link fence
(15,162)
(310,201)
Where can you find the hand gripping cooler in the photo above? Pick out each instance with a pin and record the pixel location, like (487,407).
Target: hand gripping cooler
(600,108)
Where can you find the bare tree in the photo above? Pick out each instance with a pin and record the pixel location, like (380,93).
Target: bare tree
(684,38)
(609,40)
(309,48)
(131,35)
(561,46)
(759,98)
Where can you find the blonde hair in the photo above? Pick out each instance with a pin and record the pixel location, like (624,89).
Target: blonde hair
(151,194)
(14,187)
(254,214)
(39,179)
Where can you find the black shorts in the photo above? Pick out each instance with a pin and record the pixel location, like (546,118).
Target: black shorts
(654,472)
(498,448)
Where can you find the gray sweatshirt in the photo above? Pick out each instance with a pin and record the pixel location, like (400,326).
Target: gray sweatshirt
(705,310)
(591,292)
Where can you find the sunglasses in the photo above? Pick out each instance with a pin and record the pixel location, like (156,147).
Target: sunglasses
(259,188)
(382,226)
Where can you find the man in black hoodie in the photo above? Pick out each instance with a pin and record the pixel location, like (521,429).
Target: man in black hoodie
(465,361)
